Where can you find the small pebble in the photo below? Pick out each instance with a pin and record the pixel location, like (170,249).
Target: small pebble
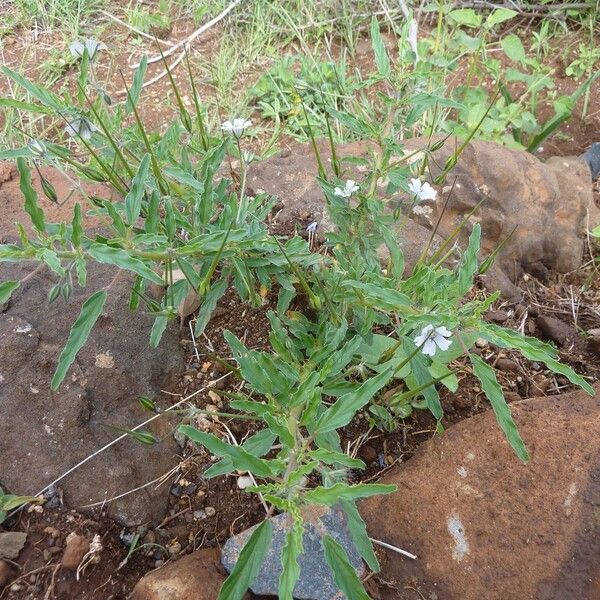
(210,511)
(158,564)
(199,515)
(76,548)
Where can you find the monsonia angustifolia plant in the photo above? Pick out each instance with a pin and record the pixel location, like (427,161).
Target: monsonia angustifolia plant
(360,335)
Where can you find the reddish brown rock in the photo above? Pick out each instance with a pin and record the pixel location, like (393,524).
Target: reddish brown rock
(76,548)
(197,576)
(12,198)
(485,525)
(546,202)
(556,330)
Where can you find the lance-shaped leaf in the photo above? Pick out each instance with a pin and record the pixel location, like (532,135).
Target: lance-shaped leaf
(292,549)
(344,574)
(90,311)
(381,57)
(341,412)
(358,533)
(120,258)
(468,265)
(533,349)
(31,198)
(493,391)
(248,564)
(6,290)
(241,459)
(158,328)
(136,85)
(133,200)
(342,491)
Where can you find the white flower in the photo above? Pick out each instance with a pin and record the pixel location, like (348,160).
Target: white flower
(423,191)
(432,338)
(312,227)
(348,189)
(91,45)
(236,127)
(80,127)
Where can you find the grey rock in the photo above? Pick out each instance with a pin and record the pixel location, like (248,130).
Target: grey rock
(316,580)
(592,158)
(45,433)
(11,543)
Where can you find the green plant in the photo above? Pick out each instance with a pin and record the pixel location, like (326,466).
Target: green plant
(9,502)
(301,83)
(356,332)
(149,20)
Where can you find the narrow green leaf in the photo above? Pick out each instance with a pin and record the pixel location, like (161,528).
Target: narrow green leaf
(258,445)
(90,311)
(52,260)
(77,224)
(493,392)
(468,264)
(341,412)
(241,459)
(381,57)
(216,292)
(344,574)
(6,290)
(533,349)
(158,328)
(358,533)
(133,200)
(330,457)
(10,502)
(31,198)
(116,256)
(341,491)
(292,549)
(248,564)
(136,85)
(45,96)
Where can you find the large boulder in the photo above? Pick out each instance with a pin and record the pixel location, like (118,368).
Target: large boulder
(485,525)
(548,202)
(45,433)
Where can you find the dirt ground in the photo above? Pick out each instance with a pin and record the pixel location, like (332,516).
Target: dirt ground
(205,513)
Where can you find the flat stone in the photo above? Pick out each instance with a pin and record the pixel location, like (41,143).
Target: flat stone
(45,433)
(485,525)
(316,580)
(11,543)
